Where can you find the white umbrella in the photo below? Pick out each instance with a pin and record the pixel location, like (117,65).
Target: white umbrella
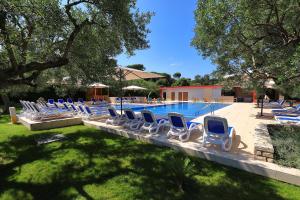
(133,87)
(98,85)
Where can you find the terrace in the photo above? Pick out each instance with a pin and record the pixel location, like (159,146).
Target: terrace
(210,111)
(243,153)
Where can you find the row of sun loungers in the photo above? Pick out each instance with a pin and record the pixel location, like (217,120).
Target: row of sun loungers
(216,130)
(80,101)
(134,100)
(53,110)
(287,115)
(126,99)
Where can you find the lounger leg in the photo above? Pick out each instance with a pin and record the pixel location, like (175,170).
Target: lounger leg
(185,137)
(227,144)
(154,129)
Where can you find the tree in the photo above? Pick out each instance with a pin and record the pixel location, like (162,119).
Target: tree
(177,75)
(166,81)
(182,82)
(79,37)
(258,38)
(137,66)
(207,79)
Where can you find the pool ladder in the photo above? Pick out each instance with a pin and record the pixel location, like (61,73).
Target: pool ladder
(212,109)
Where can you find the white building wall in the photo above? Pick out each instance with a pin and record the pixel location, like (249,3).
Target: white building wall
(217,92)
(194,93)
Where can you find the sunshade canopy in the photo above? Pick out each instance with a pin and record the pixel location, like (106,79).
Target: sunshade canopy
(98,85)
(134,74)
(134,87)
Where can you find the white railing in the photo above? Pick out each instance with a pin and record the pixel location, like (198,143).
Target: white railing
(211,108)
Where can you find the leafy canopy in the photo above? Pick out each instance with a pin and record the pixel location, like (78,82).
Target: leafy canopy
(137,66)
(258,38)
(75,38)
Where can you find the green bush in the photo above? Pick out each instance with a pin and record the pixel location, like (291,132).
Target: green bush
(286,142)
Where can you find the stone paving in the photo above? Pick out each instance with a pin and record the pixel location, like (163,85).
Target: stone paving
(243,117)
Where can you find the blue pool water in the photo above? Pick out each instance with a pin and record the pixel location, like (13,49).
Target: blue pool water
(189,110)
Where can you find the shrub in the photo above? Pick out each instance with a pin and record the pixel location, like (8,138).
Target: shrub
(286,142)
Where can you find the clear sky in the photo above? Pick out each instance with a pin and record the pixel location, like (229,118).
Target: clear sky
(172,30)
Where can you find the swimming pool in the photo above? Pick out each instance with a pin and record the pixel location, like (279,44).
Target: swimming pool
(189,110)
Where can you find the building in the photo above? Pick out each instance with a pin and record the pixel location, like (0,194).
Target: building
(191,93)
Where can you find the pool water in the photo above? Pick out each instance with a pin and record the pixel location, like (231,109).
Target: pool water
(189,110)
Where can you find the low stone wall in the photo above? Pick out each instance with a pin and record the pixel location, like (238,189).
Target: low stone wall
(49,124)
(263,148)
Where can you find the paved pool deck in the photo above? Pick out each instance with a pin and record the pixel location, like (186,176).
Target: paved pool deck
(243,117)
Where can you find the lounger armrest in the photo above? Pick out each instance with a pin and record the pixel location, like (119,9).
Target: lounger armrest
(195,125)
(231,132)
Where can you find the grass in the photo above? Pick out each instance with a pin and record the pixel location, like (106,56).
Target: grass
(286,142)
(91,164)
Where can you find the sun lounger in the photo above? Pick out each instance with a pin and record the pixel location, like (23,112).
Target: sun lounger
(115,118)
(277,104)
(180,128)
(151,123)
(90,114)
(80,101)
(69,100)
(61,101)
(39,114)
(217,131)
(133,122)
(295,109)
(288,120)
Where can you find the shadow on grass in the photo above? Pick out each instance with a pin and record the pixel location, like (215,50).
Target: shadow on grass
(97,165)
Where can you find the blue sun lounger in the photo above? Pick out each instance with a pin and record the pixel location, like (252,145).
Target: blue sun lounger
(115,118)
(151,123)
(69,100)
(133,122)
(217,131)
(180,128)
(293,110)
(288,120)
(88,113)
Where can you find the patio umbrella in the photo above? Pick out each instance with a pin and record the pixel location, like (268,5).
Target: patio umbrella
(133,87)
(128,74)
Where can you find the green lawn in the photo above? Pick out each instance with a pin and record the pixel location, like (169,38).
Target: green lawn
(92,164)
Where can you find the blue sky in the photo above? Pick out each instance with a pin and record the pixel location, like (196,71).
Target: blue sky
(171,34)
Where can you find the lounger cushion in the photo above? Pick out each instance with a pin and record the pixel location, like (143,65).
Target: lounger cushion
(216,127)
(177,122)
(289,119)
(112,113)
(129,114)
(60,100)
(51,101)
(148,117)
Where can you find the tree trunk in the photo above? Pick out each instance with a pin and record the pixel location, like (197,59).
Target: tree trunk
(6,102)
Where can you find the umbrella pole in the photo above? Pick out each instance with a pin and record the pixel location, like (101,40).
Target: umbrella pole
(262,103)
(121,102)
